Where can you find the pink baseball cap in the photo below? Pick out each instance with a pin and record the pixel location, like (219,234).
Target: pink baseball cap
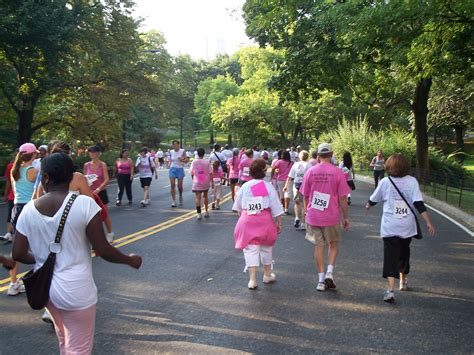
(28,148)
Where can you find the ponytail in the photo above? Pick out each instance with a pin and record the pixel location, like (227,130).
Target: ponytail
(16,166)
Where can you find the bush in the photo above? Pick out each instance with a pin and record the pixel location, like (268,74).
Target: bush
(363,142)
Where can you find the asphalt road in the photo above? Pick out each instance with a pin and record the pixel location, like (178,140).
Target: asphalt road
(190,295)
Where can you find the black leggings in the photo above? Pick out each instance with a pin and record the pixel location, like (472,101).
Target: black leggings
(124,182)
(378,175)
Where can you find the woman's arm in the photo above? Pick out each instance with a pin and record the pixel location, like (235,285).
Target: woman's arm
(79,183)
(96,236)
(132,170)
(279,224)
(31,175)
(20,250)
(287,183)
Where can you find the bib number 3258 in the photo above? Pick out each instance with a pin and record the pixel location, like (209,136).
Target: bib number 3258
(254,205)
(320,201)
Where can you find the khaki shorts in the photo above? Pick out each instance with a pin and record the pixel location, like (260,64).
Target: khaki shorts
(319,235)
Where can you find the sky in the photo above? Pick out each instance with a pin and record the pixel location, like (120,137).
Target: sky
(200,28)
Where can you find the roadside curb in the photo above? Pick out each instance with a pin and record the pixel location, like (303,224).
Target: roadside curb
(452,212)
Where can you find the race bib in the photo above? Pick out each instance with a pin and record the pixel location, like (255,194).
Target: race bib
(254,205)
(400,209)
(320,201)
(246,171)
(217,181)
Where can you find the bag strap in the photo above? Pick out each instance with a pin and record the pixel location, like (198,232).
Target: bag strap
(403,197)
(62,222)
(220,161)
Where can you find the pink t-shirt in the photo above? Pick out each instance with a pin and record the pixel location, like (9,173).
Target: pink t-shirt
(201,172)
(283,168)
(323,185)
(233,168)
(244,169)
(218,174)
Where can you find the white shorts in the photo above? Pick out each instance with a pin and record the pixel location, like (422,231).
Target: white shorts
(217,192)
(255,253)
(280,186)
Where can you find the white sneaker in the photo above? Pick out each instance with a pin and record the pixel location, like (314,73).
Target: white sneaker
(269,279)
(302,227)
(147,201)
(206,214)
(7,237)
(321,287)
(389,296)
(110,237)
(143,203)
(404,284)
(199,216)
(15,289)
(252,285)
(46,317)
(329,280)
(173,204)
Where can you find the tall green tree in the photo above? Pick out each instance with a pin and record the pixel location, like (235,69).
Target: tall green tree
(50,47)
(387,53)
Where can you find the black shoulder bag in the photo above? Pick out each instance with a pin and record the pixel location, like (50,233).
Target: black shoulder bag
(37,283)
(419,234)
(223,163)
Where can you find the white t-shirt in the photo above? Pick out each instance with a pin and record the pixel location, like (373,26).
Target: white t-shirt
(72,287)
(297,172)
(275,154)
(346,171)
(293,156)
(272,201)
(145,169)
(397,219)
(37,164)
(227,153)
(256,154)
(213,157)
(175,157)
(159,154)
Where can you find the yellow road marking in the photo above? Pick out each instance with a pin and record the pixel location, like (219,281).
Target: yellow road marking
(128,239)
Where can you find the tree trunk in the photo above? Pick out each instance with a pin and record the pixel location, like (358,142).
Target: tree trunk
(459,130)
(211,136)
(229,139)
(296,132)
(25,121)
(420,110)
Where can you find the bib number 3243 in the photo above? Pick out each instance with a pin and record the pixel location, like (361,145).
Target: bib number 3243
(320,201)
(254,205)
(400,209)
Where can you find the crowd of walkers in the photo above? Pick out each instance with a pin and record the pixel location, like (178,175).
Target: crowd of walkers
(43,183)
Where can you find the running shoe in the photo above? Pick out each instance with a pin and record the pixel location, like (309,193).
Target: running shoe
(404,284)
(329,280)
(297,223)
(206,214)
(173,204)
(252,285)
(110,237)
(143,203)
(321,287)
(218,208)
(269,279)
(287,212)
(7,237)
(118,203)
(302,227)
(213,206)
(389,296)
(199,216)
(15,288)
(46,317)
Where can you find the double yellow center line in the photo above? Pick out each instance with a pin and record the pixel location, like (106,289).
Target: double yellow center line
(131,238)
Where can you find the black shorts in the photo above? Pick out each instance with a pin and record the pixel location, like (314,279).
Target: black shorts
(9,213)
(104,197)
(396,256)
(161,160)
(234,181)
(16,211)
(145,181)
(200,191)
(242,182)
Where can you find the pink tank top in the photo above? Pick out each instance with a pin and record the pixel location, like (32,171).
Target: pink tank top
(99,172)
(124,167)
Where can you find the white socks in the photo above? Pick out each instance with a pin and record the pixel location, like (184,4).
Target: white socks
(331,268)
(321,276)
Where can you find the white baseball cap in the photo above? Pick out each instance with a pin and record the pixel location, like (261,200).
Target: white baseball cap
(324,148)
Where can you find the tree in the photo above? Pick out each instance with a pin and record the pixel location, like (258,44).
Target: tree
(49,48)
(386,52)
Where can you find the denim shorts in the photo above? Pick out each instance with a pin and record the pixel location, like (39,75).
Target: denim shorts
(176,173)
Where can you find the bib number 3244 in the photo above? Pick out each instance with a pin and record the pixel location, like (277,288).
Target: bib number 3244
(400,209)
(320,201)
(254,205)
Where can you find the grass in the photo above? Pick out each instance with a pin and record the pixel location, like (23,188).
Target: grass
(469,164)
